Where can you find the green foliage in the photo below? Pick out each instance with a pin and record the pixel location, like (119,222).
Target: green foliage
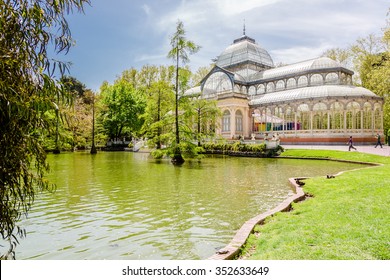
(160,99)
(158,153)
(27,91)
(190,150)
(237,147)
(121,106)
(200,118)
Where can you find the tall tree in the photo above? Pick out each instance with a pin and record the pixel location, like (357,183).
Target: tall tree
(157,118)
(28,29)
(201,118)
(156,83)
(122,105)
(343,56)
(364,52)
(181,49)
(200,74)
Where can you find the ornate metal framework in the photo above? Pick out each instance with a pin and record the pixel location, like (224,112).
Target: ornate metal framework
(309,101)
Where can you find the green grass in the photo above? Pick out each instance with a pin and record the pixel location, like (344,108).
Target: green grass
(347,218)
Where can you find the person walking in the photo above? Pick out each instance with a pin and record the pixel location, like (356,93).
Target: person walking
(350,144)
(378,141)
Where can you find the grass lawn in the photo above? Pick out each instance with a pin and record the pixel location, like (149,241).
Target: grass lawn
(347,217)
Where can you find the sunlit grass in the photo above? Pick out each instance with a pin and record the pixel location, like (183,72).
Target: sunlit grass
(348,216)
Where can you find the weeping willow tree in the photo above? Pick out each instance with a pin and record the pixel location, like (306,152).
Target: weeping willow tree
(29,31)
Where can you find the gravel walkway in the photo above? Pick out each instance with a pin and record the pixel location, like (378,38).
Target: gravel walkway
(370,149)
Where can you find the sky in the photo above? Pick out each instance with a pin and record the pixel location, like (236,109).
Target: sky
(116,35)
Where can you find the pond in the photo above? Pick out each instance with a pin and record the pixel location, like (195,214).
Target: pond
(123,205)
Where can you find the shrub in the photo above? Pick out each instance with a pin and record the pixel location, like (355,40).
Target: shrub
(158,153)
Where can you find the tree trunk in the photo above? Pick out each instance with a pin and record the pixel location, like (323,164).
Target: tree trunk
(177,158)
(158,120)
(198,136)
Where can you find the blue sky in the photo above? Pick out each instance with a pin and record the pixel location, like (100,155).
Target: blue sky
(115,35)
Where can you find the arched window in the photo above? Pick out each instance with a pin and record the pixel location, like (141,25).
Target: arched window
(289,121)
(349,120)
(349,80)
(367,116)
(279,118)
(226,121)
(303,117)
(280,85)
(353,115)
(218,82)
(320,117)
(336,116)
(239,126)
(302,81)
(237,88)
(291,83)
(378,117)
(244,90)
(332,79)
(252,90)
(316,80)
(261,89)
(270,87)
(343,79)
(358,120)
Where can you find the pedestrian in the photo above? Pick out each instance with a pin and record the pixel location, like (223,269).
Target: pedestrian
(378,141)
(350,144)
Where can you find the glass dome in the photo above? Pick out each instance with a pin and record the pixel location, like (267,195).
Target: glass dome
(244,51)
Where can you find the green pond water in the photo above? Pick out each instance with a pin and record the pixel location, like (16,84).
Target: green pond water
(125,205)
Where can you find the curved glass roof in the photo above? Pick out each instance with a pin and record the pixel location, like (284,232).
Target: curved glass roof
(319,92)
(308,65)
(192,91)
(243,50)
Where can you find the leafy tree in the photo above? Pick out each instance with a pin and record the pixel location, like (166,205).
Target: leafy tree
(157,86)
(364,53)
(75,88)
(343,56)
(200,74)
(158,121)
(122,105)
(75,118)
(181,48)
(201,118)
(377,79)
(27,90)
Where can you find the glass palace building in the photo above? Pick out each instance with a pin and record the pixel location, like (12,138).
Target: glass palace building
(312,101)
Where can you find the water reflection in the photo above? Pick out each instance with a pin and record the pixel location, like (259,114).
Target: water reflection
(127,206)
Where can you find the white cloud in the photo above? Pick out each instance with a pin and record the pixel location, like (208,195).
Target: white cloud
(298,53)
(291,31)
(150,58)
(234,7)
(146,9)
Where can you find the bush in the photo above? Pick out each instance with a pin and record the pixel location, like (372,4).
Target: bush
(158,153)
(237,147)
